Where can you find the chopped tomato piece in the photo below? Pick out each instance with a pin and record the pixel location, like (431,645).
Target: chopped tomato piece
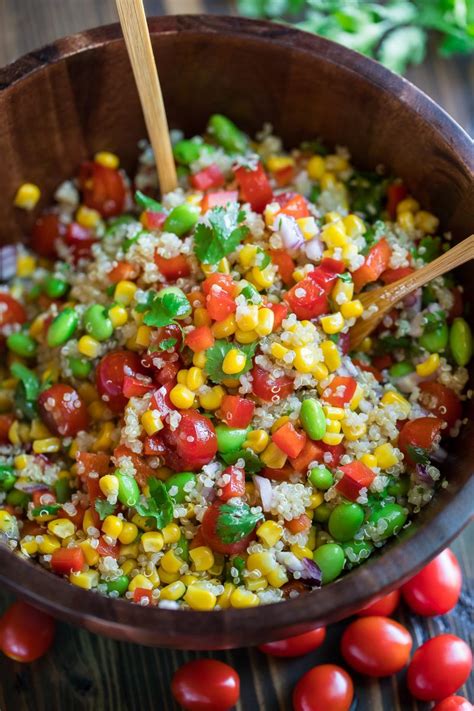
(441,401)
(45,234)
(207,178)
(254,186)
(334,453)
(396,193)
(457,308)
(296,207)
(421,433)
(199,339)
(91,462)
(285,265)
(280,312)
(268,388)
(6,422)
(173,268)
(391,275)
(283,474)
(140,594)
(67,560)
(236,484)
(136,387)
(298,524)
(122,271)
(160,399)
(307,299)
(237,411)
(110,376)
(375,264)
(153,446)
(62,410)
(220,290)
(11,312)
(154,220)
(192,444)
(311,452)
(223,281)
(108,549)
(340,390)
(103,189)
(80,240)
(218,199)
(357,476)
(289,440)
(284,176)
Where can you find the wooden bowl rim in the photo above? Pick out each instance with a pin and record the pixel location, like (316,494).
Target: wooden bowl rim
(232,627)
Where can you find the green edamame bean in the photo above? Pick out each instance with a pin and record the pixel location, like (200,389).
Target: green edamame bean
(22,344)
(399,487)
(119,585)
(128,491)
(460,341)
(330,559)
(7,477)
(357,551)
(55,287)
(399,370)
(80,368)
(186,151)
(345,520)
(435,338)
(321,478)
(62,328)
(62,490)
(178,485)
(229,439)
(227,134)
(17,498)
(97,323)
(182,219)
(313,418)
(321,513)
(394,518)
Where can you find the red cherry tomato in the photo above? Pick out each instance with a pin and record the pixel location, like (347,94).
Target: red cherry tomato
(267,387)
(206,685)
(192,444)
(103,189)
(421,432)
(62,410)
(211,538)
(110,375)
(383,606)
(324,688)
(441,401)
(453,703)
(295,646)
(436,588)
(439,667)
(11,312)
(6,422)
(46,231)
(376,646)
(173,268)
(80,240)
(25,632)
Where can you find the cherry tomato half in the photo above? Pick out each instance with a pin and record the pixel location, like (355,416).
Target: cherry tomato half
(211,537)
(62,410)
(439,667)
(267,387)
(206,685)
(25,632)
(46,231)
(383,606)
(192,444)
(435,590)
(324,688)
(295,646)
(441,401)
(110,375)
(421,432)
(376,646)
(453,703)
(11,311)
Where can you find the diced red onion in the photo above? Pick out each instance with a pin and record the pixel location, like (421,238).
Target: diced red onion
(422,475)
(439,454)
(413,302)
(311,573)
(264,489)
(408,383)
(314,249)
(290,232)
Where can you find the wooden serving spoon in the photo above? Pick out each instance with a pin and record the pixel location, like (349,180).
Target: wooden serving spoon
(138,43)
(386,297)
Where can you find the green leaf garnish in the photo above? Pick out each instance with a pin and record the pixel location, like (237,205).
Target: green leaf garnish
(159,505)
(104,508)
(220,234)
(418,454)
(45,510)
(236,522)
(163,308)
(147,203)
(216,354)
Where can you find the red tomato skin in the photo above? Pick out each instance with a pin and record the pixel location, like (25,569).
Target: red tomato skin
(186,455)
(236,411)
(46,231)
(436,588)
(66,417)
(207,178)
(173,268)
(206,685)
(383,606)
(420,432)
(236,485)
(326,687)
(266,387)
(80,240)
(376,646)
(11,311)
(218,199)
(103,188)
(6,422)
(26,633)
(65,560)
(210,537)
(110,376)
(441,402)
(307,299)
(295,646)
(254,187)
(453,703)
(439,667)
(348,387)
(396,192)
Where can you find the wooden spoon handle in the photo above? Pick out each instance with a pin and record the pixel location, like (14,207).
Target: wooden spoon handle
(137,39)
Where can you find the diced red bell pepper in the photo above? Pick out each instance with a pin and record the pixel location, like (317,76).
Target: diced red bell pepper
(207,178)
(140,594)
(283,474)
(307,299)
(340,391)
(93,488)
(336,451)
(299,524)
(396,192)
(108,549)
(121,271)
(375,264)
(223,281)
(311,452)
(92,462)
(103,188)
(254,186)
(296,207)
(160,400)
(219,198)
(77,517)
(134,387)
(173,268)
(285,265)
(154,220)
(289,440)
(67,560)
(327,273)
(235,486)
(236,411)
(357,476)
(284,176)
(280,312)
(220,304)
(391,275)
(199,339)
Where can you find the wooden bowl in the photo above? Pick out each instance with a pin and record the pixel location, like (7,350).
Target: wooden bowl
(76,96)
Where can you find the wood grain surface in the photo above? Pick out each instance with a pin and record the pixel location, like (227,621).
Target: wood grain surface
(84,672)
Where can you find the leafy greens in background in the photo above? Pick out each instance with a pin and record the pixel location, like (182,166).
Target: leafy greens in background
(394,32)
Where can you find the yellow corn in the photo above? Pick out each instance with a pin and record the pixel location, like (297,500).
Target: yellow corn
(27,196)
(263,278)
(333,438)
(366,345)
(331,355)
(278,351)
(128,533)
(334,413)
(212,399)
(199,359)
(352,309)
(109,485)
(224,328)
(247,255)
(46,446)
(305,360)
(277,577)
(97,410)
(266,320)
(316,167)
(171,533)
(48,544)
(257,440)
(88,346)
(386,456)
(25,265)
(245,336)
(124,292)
(140,581)
(354,225)
(21,461)
(61,527)
(143,336)
(224,598)
(8,523)
(316,500)
(276,163)
(264,562)
(308,227)
(199,598)
(170,562)
(39,430)
(201,317)
(129,565)
(87,580)
(369,460)
(195,378)
(301,551)
(334,234)
(333,426)
(108,160)
(406,221)
(241,598)
(320,371)
(234,362)
(202,557)
(181,376)
(332,323)
(104,440)
(256,584)
(87,392)
(342,289)
(273,456)
(393,398)
(87,217)
(118,315)
(151,422)
(37,326)
(248,320)
(269,533)
(408,204)
(356,398)
(173,591)
(152,542)
(354,432)
(189,579)
(90,554)
(426,222)
(112,526)
(349,251)
(182,397)
(29,548)
(428,366)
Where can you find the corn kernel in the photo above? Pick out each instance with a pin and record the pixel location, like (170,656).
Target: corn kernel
(87,579)
(152,542)
(87,217)
(8,523)
(61,527)
(393,398)
(140,581)
(354,225)
(234,362)
(195,377)
(334,234)
(331,355)
(269,533)
(143,336)
(48,544)
(46,446)
(171,533)
(104,440)
(386,456)
(257,440)
(278,351)
(202,557)
(279,422)
(273,457)
(426,222)
(212,399)
(88,346)
(199,359)
(333,426)
(428,366)
(224,328)
(27,196)
(170,562)
(266,320)
(25,265)
(308,227)
(320,371)
(124,292)
(182,397)
(245,336)
(224,598)
(129,565)
(248,321)
(408,204)
(369,460)
(29,548)
(354,432)
(316,167)
(247,255)
(301,551)
(276,163)
(90,554)
(277,577)
(173,591)
(128,534)
(366,345)
(97,410)
(316,500)
(21,461)
(151,422)
(333,438)
(256,584)
(406,221)
(263,278)
(118,315)
(39,430)
(87,392)
(356,398)
(241,598)
(199,598)
(181,376)
(112,526)
(107,159)
(334,413)
(352,309)
(349,251)
(109,485)
(305,359)
(333,323)
(189,579)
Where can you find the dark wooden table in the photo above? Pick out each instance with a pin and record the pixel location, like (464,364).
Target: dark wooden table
(84,672)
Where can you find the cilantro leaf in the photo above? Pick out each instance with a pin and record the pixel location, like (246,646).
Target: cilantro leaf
(216,354)
(147,203)
(220,234)
(167,343)
(159,506)
(104,508)
(236,522)
(252,463)
(163,308)
(418,454)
